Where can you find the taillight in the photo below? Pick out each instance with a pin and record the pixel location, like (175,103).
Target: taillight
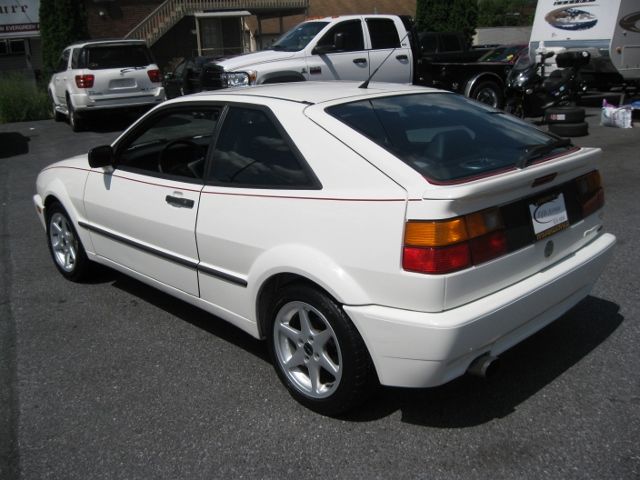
(590,192)
(85,81)
(155,76)
(445,246)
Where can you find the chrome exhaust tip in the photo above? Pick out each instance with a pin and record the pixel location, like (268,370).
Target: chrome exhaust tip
(484,366)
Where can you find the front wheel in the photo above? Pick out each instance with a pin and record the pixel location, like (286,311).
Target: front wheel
(514,107)
(74,118)
(57,116)
(317,351)
(65,247)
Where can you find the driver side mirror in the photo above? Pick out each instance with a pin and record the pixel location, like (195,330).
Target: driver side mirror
(337,46)
(339,41)
(101,156)
(548,55)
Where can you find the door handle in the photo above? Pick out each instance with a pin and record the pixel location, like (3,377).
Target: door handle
(360,61)
(402,57)
(179,202)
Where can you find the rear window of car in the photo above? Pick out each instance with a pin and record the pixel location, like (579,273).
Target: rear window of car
(446,137)
(101,57)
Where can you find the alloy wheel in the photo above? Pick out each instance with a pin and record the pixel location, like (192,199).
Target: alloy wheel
(307,349)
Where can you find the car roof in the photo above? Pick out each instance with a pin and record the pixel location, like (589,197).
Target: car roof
(314,92)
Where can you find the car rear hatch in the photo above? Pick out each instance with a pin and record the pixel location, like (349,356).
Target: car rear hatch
(507,227)
(120,70)
(492,199)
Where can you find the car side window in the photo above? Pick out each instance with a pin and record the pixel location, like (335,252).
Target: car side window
(351,30)
(172,143)
(383,32)
(252,152)
(451,43)
(429,43)
(63,61)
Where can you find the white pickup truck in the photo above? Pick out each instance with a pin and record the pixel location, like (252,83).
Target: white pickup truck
(340,48)
(353,47)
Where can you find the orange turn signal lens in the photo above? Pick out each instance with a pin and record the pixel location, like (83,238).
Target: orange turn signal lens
(435,233)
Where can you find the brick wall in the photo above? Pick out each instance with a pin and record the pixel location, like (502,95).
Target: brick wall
(120,16)
(116,19)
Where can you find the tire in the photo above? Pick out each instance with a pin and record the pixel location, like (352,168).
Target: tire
(74,118)
(489,93)
(57,116)
(65,246)
(317,352)
(570,129)
(564,115)
(514,107)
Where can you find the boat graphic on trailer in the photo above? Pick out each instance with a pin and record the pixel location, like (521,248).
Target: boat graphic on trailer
(571,19)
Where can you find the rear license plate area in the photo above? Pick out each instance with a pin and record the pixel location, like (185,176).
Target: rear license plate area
(548,215)
(122,83)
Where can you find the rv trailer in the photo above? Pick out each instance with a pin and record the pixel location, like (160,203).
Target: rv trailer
(608,29)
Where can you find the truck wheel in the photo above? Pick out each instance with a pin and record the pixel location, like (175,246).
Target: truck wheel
(570,129)
(564,115)
(317,352)
(488,92)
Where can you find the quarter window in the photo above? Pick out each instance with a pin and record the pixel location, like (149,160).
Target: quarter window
(252,152)
(384,33)
(172,144)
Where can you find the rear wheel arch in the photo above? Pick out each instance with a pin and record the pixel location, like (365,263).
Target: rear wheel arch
(268,293)
(486,81)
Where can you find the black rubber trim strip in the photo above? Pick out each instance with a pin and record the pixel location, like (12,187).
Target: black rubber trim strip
(180,261)
(139,246)
(223,276)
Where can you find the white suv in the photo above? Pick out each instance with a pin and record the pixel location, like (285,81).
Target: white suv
(101,75)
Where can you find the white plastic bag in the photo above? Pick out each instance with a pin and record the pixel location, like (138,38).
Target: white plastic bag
(612,116)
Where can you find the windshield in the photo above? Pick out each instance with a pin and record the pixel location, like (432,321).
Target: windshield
(446,137)
(524,62)
(508,54)
(299,37)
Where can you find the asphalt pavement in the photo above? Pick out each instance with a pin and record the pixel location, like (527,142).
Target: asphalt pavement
(115,380)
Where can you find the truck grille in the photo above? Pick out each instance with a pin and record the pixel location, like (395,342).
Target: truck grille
(212,77)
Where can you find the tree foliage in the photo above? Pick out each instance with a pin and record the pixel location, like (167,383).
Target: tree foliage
(62,22)
(448,16)
(503,13)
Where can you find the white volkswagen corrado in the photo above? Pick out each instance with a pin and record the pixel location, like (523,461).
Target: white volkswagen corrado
(389,234)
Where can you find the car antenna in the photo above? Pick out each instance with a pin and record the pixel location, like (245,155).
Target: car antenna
(365,84)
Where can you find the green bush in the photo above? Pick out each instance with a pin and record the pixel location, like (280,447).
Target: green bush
(21,100)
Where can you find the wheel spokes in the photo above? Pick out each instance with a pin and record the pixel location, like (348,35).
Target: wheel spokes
(307,349)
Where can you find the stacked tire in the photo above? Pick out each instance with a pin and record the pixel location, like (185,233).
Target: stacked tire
(566,121)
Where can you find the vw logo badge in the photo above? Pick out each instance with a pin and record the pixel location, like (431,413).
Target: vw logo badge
(548,249)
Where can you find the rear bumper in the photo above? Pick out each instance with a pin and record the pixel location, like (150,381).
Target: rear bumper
(418,349)
(83,102)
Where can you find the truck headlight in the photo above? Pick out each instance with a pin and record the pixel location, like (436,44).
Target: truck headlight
(239,79)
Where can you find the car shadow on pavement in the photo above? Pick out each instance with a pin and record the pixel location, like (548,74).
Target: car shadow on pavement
(111,122)
(467,401)
(193,315)
(13,143)
(524,370)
